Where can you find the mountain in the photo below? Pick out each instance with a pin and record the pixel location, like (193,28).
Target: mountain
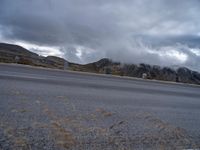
(16,54)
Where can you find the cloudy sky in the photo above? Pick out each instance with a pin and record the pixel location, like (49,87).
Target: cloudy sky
(160,32)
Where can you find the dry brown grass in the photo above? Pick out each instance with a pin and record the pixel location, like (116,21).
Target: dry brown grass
(104,112)
(22,143)
(18,141)
(162,134)
(63,137)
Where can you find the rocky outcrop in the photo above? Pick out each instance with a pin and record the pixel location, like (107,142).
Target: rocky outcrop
(155,72)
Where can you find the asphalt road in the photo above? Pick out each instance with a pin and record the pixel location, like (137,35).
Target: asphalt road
(53,109)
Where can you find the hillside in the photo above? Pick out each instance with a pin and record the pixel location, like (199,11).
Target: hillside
(16,54)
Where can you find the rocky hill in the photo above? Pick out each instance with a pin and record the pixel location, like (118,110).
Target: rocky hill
(16,54)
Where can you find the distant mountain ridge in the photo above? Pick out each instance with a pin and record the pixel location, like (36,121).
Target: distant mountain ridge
(16,54)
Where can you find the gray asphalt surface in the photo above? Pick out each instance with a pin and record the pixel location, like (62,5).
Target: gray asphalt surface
(52,109)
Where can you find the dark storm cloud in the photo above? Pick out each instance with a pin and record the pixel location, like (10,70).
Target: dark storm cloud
(163,32)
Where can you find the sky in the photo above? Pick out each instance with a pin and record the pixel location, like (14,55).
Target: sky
(157,32)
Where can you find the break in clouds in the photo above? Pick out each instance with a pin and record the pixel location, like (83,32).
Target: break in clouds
(160,32)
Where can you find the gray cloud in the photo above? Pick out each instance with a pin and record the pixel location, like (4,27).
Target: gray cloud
(163,32)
